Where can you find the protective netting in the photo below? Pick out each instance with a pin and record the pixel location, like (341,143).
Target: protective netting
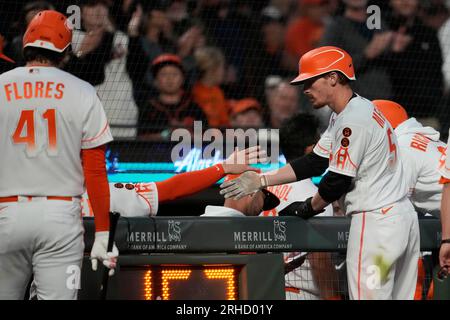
(323,276)
(230,50)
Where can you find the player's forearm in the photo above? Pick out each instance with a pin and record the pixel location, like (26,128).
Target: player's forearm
(97,187)
(310,165)
(324,275)
(280,176)
(188,183)
(445,211)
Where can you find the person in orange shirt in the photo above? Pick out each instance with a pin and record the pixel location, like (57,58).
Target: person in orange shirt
(246,113)
(305,32)
(207,92)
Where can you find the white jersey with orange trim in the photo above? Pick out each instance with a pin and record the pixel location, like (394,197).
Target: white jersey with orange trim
(445,170)
(129,199)
(361,144)
(300,278)
(422,156)
(47,116)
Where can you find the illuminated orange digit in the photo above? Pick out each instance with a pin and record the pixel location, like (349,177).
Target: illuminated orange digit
(224,273)
(50,116)
(26,121)
(172,274)
(148,285)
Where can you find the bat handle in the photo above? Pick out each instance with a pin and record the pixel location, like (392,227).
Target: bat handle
(113,219)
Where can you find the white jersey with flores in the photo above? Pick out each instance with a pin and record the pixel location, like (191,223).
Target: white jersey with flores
(300,278)
(49,116)
(129,199)
(422,155)
(361,144)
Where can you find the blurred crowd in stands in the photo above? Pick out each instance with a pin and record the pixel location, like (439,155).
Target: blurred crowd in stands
(162,64)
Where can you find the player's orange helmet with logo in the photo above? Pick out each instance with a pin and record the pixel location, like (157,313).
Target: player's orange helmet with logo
(323,60)
(49,30)
(392,111)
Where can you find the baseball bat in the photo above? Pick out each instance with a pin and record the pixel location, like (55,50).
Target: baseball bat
(113,219)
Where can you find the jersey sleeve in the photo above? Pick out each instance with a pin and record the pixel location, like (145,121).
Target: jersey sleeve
(96,131)
(134,200)
(348,149)
(323,146)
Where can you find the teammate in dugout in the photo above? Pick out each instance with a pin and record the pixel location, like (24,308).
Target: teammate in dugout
(360,150)
(53,142)
(142,199)
(422,157)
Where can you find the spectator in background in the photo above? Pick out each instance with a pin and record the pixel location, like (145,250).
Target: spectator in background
(265,55)
(367,47)
(92,45)
(433,13)
(116,92)
(29,10)
(150,35)
(283,104)
(231,26)
(415,62)
(304,32)
(172,107)
(246,113)
(207,92)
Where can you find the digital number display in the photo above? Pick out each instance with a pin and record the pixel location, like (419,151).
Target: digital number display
(176,282)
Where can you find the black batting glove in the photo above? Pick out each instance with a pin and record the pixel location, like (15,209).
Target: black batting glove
(302,209)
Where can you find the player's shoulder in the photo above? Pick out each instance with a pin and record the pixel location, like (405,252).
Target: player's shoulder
(11,74)
(68,77)
(358,112)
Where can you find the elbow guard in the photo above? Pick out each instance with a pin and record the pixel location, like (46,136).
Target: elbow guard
(334,185)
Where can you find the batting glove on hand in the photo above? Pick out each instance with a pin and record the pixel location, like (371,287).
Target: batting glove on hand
(247,183)
(302,209)
(98,252)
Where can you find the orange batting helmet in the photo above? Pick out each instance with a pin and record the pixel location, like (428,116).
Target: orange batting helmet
(323,60)
(392,111)
(49,30)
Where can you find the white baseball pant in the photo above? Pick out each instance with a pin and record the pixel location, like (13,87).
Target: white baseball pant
(382,253)
(43,238)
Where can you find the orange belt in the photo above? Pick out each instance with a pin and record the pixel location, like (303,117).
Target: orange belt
(16,198)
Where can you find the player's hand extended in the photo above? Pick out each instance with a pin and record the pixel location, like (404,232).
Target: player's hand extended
(302,209)
(239,161)
(98,252)
(444,258)
(247,183)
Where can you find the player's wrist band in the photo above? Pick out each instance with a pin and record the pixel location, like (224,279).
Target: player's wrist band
(264,181)
(445,241)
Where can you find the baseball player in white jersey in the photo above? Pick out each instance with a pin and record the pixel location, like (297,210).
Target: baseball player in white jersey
(422,156)
(360,150)
(444,251)
(48,119)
